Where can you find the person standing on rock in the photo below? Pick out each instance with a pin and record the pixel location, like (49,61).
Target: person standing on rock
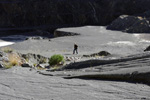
(75,48)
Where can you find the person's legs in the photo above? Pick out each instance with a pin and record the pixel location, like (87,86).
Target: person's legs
(76,51)
(73,51)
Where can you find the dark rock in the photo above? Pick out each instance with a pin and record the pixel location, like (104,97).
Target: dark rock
(130,24)
(145,14)
(52,14)
(141,26)
(1,66)
(25,65)
(44,33)
(147,49)
(1,54)
(101,53)
(61,33)
(122,23)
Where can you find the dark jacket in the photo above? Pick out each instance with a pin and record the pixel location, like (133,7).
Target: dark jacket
(75,46)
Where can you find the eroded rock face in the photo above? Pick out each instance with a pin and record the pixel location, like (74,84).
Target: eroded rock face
(141,26)
(52,14)
(131,24)
(34,59)
(122,23)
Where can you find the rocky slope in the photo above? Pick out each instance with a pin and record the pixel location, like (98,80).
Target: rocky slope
(48,15)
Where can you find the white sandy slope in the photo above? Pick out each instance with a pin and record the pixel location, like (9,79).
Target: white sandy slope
(5,43)
(22,84)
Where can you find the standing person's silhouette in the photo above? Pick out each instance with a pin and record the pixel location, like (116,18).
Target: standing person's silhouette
(75,49)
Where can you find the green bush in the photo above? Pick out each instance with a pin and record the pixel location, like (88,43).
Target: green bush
(56,59)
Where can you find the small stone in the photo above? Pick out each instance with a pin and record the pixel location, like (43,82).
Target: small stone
(25,65)
(1,66)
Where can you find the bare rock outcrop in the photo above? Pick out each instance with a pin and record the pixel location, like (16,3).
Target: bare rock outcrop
(34,59)
(141,26)
(122,23)
(132,24)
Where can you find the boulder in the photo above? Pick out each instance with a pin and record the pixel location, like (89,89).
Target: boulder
(1,66)
(140,26)
(1,54)
(25,65)
(103,53)
(147,49)
(130,24)
(122,23)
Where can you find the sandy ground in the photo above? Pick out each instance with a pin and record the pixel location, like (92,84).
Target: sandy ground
(25,84)
(92,39)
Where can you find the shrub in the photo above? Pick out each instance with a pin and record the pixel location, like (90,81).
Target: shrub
(13,60)
(56,59)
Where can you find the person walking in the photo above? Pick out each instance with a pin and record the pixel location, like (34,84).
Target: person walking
(75,48)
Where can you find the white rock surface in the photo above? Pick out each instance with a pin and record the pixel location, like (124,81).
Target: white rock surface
(21,84)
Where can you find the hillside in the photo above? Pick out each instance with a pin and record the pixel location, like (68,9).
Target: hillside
(21,16)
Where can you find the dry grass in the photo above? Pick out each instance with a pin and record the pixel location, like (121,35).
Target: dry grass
(7,49)
(14,60)
(8,65)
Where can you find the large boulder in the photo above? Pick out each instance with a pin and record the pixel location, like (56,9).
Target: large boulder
(122,23)
(141,26)
(131,24)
